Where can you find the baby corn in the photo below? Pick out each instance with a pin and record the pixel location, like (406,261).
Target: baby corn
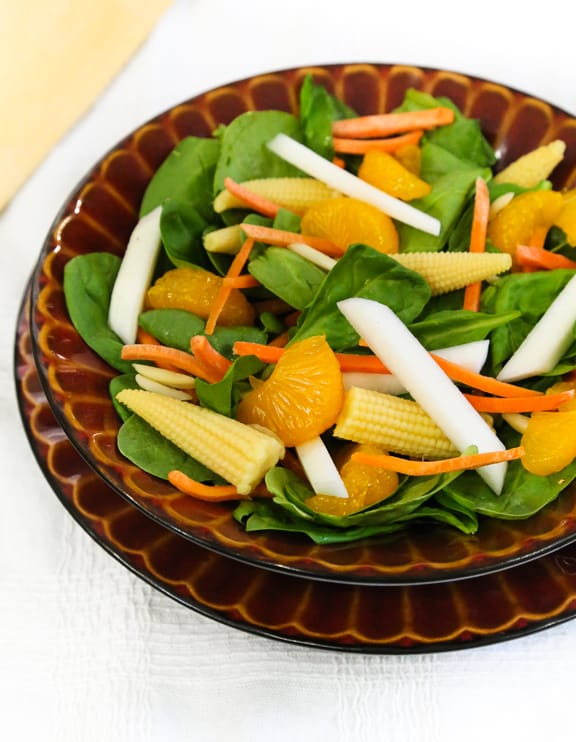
(240,454)
(396,424)
(295,194)
(534,167)
(448,271)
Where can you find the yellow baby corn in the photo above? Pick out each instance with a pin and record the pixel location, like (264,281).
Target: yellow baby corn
(226,240)
(240,454)
(397,425)
(295,194)
(448,271)
(535,166)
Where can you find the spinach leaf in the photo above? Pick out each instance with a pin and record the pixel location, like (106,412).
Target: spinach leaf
(244,154)
(185,175)
(365,272)
(223,396)
(176,327)
(456,326)
(88,283)
(318,110)
(150,451)
(124,381)
(529,293)
(181,228)
(287,275)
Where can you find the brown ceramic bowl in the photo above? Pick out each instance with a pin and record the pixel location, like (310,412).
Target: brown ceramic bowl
(100,215)
(353,618)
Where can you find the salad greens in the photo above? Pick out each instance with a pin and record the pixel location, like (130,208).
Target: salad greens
(452,158)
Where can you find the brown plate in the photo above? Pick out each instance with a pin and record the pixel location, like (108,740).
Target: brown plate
(354,618)
(100,215)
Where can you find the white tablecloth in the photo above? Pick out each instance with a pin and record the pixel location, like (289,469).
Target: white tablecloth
(89,652)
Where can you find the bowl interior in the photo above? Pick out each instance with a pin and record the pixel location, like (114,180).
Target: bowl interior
(100,215)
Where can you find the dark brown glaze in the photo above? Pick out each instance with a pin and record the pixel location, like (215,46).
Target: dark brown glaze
(100,215)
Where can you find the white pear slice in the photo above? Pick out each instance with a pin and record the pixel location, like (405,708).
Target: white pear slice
(544,345)
(319,167)
(320,468)
(134,277)
(435,392)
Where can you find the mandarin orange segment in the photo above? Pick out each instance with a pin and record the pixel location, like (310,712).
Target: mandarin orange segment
(387,173)
(549,442)
(303,395)
(346,221)
(516,223)
(566,219)
(411,157)
(195,290)
(366,485)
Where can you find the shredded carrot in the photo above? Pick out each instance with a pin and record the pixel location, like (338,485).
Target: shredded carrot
(280,341)
(147,338)
(384,124)
(427,468)
(234,270)
(241,282)
(178,359)
(478,233)
(483,383)
(254,201)
(361,146)
(541,403)
(338,161)
(208,356)
(370,364)
(211,492)
(541,259)
(282,238)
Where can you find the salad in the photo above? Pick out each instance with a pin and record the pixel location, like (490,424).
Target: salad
(345,324)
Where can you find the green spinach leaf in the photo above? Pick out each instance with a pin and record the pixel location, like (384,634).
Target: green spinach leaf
(318,111)
(365,272)
(223,396)
(88,283)
(244,154)
(456,326)
(287,275)
(185,175)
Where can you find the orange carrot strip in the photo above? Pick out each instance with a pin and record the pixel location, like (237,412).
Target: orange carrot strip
(484,383)
(179,359)
(427,468)
(478,233)
(282,238)
(543,402)
(206,492)
(208,356)
(361,146)
(241,282)
(384,124)
(373,365)
(280,341)
(148,339)
(254,201)
(537,257)
(234,270)
(211,492)
(338,161)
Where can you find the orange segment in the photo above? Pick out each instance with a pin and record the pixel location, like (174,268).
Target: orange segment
(346,221)
(549,442)
(302,396)
(366,485)
(411,157)
(516,223)
(566,219)
(387,173)
(195,290)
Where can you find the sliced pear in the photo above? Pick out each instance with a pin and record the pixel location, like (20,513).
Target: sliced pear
(134,277)
(406,357)
(320,468)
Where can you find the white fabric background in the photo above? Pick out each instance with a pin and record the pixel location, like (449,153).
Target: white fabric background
(88,652)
